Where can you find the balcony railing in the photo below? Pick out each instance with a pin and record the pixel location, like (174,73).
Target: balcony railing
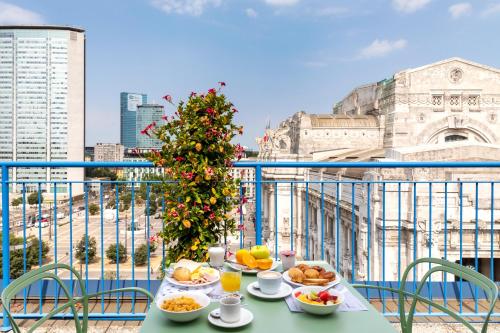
(368,225)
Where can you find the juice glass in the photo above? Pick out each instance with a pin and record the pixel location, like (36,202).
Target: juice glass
(231,281)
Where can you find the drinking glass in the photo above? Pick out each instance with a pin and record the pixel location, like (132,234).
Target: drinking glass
(230,281)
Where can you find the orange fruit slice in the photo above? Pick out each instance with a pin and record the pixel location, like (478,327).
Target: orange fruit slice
(239,255)
(264,263)
(249,260)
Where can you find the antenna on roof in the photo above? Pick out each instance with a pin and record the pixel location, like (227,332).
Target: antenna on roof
(268,123)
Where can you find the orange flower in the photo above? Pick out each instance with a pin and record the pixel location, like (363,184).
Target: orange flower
(186,224)
(198,147)
(213,200)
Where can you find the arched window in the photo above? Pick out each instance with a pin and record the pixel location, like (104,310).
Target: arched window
(454,137)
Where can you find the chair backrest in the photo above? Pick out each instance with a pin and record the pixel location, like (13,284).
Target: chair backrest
(45,272)
(440,265)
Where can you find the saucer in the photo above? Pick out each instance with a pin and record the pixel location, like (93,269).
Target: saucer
(284,291)
(245,319)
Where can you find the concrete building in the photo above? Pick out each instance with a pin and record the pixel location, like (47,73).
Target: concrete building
(42,101)
(128,115)
(108,152)
(145,115)
(445,111)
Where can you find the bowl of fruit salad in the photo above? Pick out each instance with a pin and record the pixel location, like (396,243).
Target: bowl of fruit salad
(317,301)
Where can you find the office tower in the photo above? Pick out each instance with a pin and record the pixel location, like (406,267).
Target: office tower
(128,110)
(42,101)
(147,114)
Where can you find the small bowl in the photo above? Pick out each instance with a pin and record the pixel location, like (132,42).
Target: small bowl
(200,298)
(314,308)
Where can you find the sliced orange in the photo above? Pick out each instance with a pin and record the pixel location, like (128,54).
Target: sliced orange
(239,255)
(249,260)
(264,263)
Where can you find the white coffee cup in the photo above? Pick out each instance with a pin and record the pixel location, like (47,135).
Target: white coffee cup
(230,309)
(269,282)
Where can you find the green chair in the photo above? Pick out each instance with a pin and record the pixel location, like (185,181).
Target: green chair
(439,265)
(45,272)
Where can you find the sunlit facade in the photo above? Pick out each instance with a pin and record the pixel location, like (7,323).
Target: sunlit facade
(42,100)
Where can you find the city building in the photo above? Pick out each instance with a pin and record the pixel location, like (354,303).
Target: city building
(147,114)
(42,102)
(138,173)
(247,178)
(89,154)
(109,152)
(444,111)
(128,110)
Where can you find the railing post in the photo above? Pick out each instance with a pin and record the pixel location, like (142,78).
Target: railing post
(258,205)
(5,242)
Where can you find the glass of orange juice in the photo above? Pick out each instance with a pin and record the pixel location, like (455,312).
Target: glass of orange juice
(230,281)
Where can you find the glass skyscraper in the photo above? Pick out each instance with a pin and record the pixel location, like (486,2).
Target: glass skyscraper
(42,100)
(128,110)
(146,114)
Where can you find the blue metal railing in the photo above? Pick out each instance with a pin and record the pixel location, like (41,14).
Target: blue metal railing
(367,229)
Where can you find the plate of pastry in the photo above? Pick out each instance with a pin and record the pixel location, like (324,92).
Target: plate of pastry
(188,273)
(305,275)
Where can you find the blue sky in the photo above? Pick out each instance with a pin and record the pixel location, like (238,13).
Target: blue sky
(276,56)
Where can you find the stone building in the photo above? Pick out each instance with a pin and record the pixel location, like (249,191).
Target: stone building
(445,111)
(109,152)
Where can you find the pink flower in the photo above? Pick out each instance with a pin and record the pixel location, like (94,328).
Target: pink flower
(164,117)
(211,216)
(241,227)
(193,94)
(210,111)
(206,208)
(244,200)
(179,158)
(168,98)
(212,91)
(222,83)
(181,206)
(234,110)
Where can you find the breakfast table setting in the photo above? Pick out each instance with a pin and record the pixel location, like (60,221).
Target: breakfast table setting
(253,292)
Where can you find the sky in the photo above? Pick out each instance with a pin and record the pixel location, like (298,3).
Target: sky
(277,57)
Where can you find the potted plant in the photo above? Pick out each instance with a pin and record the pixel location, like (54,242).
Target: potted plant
(197,155)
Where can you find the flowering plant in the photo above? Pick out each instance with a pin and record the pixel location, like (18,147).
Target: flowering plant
(153,243)
(197,154)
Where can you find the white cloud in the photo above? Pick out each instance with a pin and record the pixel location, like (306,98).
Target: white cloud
(11,14)
(251,12)
(460,9)
(185,7)
(281,2)
(491,10)
(380,48)
(409,6)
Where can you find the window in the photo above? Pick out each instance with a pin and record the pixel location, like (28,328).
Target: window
(455,101)
(473,102)
(437,101)
(454,137)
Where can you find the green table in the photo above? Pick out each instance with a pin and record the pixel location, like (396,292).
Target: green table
(274,316)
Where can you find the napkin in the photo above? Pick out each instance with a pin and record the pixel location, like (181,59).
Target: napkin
(351,303)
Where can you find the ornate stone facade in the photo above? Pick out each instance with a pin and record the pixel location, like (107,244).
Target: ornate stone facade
(442,111)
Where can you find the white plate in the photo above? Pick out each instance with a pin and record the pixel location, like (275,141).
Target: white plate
(246,270)
(173,281)
(286,277)
(245,319)
(284,291)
